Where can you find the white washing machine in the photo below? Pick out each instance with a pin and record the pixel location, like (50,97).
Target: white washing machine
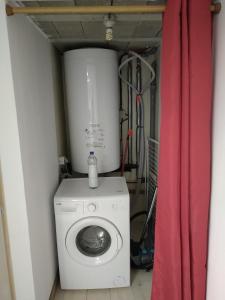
(93,233)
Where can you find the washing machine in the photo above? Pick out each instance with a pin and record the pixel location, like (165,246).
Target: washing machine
(93,233)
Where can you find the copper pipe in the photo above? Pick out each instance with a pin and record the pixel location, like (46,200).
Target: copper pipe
(119,9)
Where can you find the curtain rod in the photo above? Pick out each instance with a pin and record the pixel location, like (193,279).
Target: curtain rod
(117,9)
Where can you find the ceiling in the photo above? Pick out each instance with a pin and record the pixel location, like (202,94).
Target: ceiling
(70,31)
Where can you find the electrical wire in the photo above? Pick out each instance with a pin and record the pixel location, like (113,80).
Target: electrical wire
(139,92)
(133,56)
(111,4)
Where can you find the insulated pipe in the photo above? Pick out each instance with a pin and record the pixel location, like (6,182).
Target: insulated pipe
(138,116)
(139,89)
(130,111)
(117,9)
(121,109)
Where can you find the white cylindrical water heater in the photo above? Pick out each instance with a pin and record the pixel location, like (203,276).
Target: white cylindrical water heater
(92,90)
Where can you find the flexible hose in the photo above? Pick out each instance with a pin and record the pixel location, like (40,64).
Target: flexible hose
(147,83)
(140,129)
(141,136)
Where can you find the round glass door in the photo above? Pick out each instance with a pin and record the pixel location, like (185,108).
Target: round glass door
(93,241)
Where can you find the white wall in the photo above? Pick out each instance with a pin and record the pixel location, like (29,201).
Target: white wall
(216,259)
(59,104)
(29,153)
(12,174)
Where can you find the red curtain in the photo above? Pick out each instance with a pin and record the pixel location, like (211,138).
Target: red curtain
(179,271)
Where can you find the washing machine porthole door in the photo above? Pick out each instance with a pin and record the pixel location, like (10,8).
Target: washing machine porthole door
(93,241)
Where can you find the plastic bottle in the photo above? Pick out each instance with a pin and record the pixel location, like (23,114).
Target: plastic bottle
(92,171)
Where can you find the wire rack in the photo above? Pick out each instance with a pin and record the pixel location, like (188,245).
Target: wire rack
(152,157)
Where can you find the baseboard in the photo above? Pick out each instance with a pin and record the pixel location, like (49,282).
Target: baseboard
(54,287)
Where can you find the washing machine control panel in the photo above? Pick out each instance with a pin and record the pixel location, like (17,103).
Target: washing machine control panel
(102,206)
(69,207)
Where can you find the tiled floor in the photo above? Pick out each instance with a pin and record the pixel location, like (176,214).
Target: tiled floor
(139,290)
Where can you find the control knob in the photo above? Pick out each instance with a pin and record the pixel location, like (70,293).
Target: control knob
(92,207)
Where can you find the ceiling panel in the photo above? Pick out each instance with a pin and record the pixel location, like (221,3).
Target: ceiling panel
(48,28)
(124,29)
(131,2)
(30,3)
(94,30)
(136,30)
(92,2)
(135,44)
(57,3)
(147,29)
(69,30)
(47,3)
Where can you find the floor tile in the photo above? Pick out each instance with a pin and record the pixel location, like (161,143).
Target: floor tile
(140,290)
(102,294)
(75,295)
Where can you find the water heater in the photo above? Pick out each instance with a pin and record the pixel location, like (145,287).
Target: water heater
(92,91)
